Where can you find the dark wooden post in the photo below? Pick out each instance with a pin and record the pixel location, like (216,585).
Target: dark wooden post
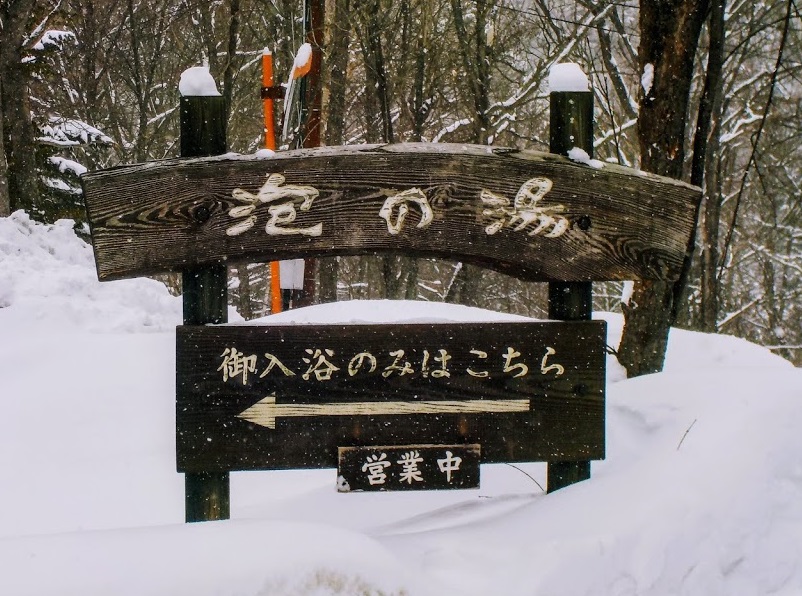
(313,102)
(203,133)
(570,125)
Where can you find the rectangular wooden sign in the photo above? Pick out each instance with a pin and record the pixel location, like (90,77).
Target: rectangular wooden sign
(531,215)
(269,397)
(410,467)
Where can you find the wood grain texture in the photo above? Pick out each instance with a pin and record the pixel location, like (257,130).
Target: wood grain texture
(169,215)
(565,419)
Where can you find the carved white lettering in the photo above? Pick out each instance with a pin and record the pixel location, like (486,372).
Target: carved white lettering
(400,200)
(273,190)
(525,211)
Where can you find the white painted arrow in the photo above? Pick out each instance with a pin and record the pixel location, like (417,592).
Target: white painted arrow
(266,411)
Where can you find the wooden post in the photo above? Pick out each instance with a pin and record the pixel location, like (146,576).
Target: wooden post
(203,133)
(313,101)
(570,125)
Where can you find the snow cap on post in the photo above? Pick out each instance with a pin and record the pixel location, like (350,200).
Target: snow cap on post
(303,61)
(567,76)
(197,82)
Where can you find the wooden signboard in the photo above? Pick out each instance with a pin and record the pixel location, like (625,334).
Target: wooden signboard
(317,396)
(269,397)
(408,467)
(532,215)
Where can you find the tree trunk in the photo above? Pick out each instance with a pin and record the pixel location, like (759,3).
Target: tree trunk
(5,199)
(474,51)
(395,269)
(475,58)
(464,287)
(244,292)
(18,129)
(376,81)
(704,172)
(339,37)
(709,238)
(231,54)
(669,36)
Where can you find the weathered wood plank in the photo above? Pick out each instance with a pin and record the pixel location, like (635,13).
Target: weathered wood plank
(524,391)
(533,215)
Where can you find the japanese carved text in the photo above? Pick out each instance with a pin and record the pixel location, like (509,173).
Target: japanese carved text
(321,364)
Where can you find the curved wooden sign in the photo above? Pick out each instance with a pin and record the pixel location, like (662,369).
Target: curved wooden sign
(532,215)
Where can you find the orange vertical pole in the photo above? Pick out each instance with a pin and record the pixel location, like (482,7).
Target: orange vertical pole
(267,84)
(270,143)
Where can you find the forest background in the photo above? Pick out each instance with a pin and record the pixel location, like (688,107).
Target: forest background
(709,92)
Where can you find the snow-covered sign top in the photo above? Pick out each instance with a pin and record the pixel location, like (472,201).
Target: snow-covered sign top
(567,77)
(197,82)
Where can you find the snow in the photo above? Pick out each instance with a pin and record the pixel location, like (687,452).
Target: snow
(55,38)
(58,184)
(451,128)
(700,494)
(366,312)
(301,65)
(627,291)
(197,82)
(291,274)
(581,156)
(67,165)
(264,153)
(67,132)
(567,76)
(647,79)
(303,56)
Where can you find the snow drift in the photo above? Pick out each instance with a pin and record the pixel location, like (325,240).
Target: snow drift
(701,492)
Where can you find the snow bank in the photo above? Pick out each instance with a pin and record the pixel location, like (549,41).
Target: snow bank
(384,311)
(701,492)
(48,280)
(260,558)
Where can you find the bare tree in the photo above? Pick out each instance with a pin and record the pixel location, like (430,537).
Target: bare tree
(669,36)
(16,21)
(5,199)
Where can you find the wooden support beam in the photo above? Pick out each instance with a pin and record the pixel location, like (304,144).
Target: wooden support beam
(203,133)
(570,126)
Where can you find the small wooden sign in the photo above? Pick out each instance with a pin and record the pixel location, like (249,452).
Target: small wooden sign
(410,467)
(531,215)
(267,397)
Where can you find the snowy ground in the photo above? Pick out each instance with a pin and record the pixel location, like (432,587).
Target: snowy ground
(701,492)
